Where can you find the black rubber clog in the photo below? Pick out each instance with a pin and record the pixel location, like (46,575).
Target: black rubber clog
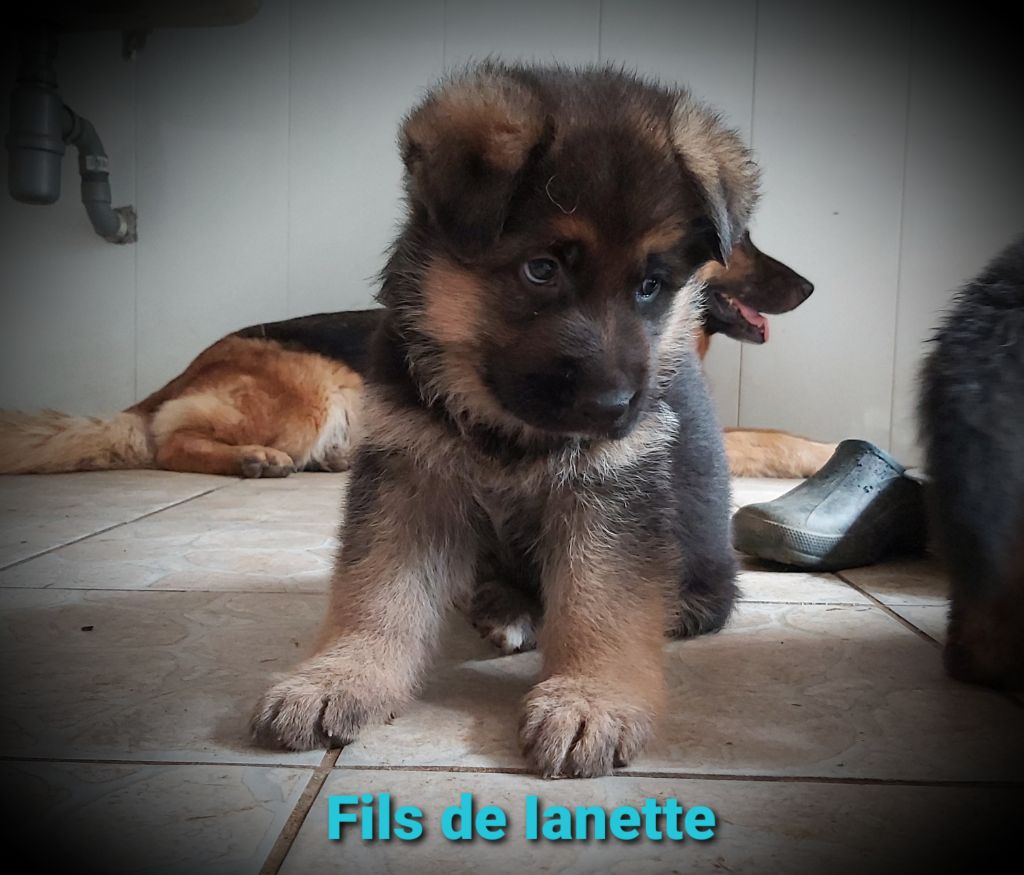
(860,507)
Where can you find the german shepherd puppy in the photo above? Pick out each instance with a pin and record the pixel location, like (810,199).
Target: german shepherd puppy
(535,397)
(284,396)
(972,427)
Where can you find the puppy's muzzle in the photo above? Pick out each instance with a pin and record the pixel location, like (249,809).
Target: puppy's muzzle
(609,410)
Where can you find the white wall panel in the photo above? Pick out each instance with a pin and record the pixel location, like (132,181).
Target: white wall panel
(212,186)
(67,334)
(355,70)
(532,30)
(829,127)
(707,45)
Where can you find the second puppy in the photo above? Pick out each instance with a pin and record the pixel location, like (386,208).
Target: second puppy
(535,396)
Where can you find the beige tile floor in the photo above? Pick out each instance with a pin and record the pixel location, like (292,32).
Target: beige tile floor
(141,613)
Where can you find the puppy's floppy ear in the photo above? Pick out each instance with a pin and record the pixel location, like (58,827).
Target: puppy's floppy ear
(465,150)
(723,168)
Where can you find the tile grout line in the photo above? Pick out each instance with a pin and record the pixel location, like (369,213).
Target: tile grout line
(114,761)
(221,591)
(743,601)
(1013,698)
(297,817)
(325,591)
(110,528)
(825,779)
(328,764)
(838,578)
(903,621)
(694,776)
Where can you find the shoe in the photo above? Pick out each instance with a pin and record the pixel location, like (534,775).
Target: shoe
(859,507)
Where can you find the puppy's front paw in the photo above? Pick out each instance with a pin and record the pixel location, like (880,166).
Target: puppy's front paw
(574,728)
(324,704)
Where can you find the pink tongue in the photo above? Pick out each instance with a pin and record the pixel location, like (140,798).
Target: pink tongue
(753,317)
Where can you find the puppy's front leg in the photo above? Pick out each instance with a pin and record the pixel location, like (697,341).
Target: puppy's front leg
(406,550)
(605,593)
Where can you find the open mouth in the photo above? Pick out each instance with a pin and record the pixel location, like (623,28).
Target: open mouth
(742,322)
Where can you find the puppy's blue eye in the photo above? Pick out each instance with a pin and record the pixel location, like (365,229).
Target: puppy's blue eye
(540,271)
(648,289)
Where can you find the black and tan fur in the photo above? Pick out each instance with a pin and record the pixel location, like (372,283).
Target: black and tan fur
(557,432)
(972,428)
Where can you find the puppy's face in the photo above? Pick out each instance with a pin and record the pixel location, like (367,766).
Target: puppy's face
(739,295)
(557,222)
(570,318)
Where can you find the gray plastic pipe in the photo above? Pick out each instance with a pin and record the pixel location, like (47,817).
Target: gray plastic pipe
(115,225)
(40,127)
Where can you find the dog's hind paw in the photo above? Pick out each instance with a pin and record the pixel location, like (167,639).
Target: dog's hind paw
(517,636)
(265,462)
(505,616)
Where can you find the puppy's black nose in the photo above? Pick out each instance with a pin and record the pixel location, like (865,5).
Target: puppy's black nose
(608,408)
(806,287)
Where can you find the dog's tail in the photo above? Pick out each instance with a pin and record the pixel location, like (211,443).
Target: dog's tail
(52,442)
(769,453)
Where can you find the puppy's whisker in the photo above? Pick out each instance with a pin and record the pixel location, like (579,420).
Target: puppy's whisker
(551,197)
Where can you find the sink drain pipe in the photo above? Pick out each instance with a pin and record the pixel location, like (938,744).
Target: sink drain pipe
(41,126)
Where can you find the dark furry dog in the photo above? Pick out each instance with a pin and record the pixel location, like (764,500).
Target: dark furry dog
(535,408)
(972,426)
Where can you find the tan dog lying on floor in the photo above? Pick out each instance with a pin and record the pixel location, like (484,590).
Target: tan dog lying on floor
(286,396)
